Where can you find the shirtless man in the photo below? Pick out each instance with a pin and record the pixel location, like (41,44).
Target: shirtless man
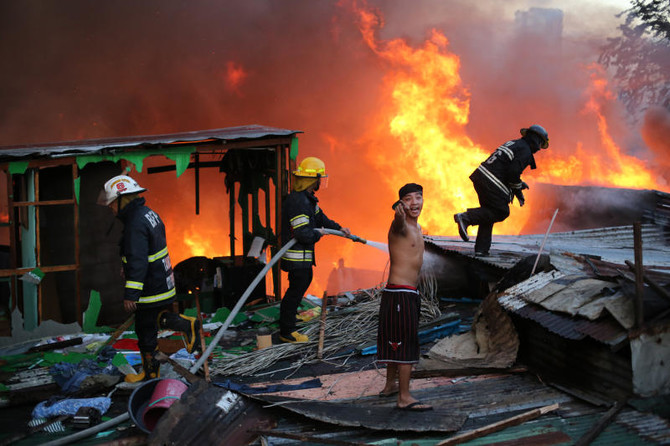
(397,333)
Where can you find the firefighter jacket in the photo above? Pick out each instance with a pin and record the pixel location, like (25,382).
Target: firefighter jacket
(300,216)
(504,167)
(146,263)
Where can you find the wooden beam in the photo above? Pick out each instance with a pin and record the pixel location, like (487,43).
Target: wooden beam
(322,326)
(45,269)
(304,438)
(500,425)
(639,280)
(652,283)
(43,203)
(600,426)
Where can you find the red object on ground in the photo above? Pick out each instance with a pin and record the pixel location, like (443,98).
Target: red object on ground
(126,344)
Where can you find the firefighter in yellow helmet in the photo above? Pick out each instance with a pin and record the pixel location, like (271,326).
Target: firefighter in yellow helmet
(149,289)
(302,219)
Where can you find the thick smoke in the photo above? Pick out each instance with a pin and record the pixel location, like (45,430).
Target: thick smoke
(81,69)
(656,134)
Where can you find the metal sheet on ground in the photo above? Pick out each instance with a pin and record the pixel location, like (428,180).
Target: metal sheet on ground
(207,414)
(375,417)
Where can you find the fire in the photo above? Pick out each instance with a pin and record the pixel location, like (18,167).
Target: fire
(429,113)
(419,134)
(430,109)
(606,165)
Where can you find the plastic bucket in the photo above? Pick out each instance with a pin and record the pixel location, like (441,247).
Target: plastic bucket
(152,399)
(166,393)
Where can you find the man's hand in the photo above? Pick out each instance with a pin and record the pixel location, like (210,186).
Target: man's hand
(346,231)
(519,196)
(524,185)
(129,305)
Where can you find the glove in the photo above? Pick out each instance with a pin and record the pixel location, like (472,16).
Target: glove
(524,185)
(519,196)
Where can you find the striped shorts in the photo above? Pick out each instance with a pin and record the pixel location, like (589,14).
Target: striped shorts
(398,329)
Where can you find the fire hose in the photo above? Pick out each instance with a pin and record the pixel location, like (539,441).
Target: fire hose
(123,417)
(251,287)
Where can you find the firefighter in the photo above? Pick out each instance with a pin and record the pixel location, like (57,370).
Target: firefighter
(497,181)
(301,219)
(149,288)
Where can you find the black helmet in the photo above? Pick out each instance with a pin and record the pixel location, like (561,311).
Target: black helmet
(540,131)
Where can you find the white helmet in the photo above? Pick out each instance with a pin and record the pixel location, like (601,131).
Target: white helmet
(117,186)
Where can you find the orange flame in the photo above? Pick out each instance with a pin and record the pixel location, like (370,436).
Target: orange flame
(606,165)
(430,111)
(429,114)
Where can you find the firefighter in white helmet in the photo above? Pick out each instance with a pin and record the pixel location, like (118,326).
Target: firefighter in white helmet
(497,181)
(301,219)
(149,288)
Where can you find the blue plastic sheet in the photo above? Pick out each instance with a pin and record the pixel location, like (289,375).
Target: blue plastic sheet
(45,409)
(69,376)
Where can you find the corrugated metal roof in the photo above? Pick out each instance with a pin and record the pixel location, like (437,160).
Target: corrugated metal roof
(613,244)
(8,153)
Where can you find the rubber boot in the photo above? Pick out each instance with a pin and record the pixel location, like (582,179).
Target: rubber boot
(189,326)
(150,368)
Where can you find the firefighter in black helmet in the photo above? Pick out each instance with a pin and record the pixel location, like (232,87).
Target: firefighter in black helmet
(497,181)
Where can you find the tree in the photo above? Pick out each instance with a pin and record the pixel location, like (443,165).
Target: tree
(641,56)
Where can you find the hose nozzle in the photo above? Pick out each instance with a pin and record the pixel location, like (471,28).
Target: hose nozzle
(358,239)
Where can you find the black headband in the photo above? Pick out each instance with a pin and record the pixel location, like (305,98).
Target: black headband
(408,189)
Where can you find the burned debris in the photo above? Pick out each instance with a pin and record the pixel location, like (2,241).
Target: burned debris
(515,346)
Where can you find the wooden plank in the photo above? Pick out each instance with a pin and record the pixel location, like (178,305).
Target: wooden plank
(600,426)
(205,365)
(500,425)
(322,327)
(652,283)
(304,438)
(118,332)
(639,281)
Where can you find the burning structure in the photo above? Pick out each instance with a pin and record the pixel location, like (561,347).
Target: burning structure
(381,111)
(55,228)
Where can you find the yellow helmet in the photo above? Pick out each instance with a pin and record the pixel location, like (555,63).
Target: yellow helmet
(311,167)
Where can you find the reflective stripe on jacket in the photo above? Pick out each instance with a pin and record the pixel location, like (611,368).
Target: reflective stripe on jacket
(146,262)
(301,216)
(504,167)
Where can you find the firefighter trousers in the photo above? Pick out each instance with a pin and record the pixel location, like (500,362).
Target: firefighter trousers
(298,282)
(493,208)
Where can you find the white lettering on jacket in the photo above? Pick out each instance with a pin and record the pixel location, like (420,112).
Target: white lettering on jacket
(152,217)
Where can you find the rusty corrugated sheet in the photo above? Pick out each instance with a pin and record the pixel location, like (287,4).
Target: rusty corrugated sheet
(8,153)
(606,330)
(647,425)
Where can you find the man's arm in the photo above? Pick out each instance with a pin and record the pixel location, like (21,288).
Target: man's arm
(399,225)
(302,228)
(136,262)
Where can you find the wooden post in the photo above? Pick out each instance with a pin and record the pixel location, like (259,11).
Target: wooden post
(639,275)
(500,425)
(600,426)
(119,331)
(652,283)
(322,328)
(537,259)
(203,345)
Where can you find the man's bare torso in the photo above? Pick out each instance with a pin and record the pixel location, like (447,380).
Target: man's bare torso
(406,253)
